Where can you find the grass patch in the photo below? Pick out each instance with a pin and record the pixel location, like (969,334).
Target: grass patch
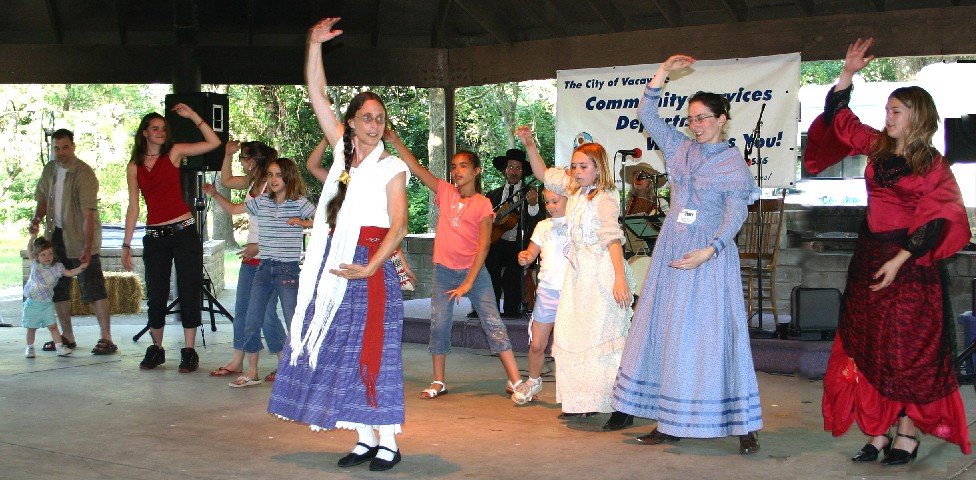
(12,241)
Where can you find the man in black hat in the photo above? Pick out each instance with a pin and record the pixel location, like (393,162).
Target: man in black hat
(513,210)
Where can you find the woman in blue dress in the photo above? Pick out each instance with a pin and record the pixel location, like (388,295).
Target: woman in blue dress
(687,361)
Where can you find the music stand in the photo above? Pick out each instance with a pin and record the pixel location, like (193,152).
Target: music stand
(213,305)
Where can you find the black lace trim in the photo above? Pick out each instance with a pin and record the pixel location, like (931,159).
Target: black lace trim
(925,238)
(889,169)
(836,101)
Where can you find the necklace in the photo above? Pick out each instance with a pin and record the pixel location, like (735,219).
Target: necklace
(150,154)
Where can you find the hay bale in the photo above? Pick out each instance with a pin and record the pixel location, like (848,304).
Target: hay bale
(124,294)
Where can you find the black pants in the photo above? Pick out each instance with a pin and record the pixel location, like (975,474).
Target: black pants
(158,255)
(506,275)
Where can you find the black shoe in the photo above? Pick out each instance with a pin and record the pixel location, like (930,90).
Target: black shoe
(472,314)
(379,465)
(749,443)
(155,356)
(657,437)
(571,416)
(354,459)
(618,421)
(869,453)
(898,456)
(65,342)
(189,360)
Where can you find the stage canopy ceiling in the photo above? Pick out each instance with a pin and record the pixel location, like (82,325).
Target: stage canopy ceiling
(444,43)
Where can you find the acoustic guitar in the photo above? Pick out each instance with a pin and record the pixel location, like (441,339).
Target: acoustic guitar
(507,215)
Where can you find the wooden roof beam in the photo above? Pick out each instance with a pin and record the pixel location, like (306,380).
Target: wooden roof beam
(805,6)
(121,7)
(488,19)
(671,11)
(54,17)
(547,15)
(737,9)
(877,5)
(609,15)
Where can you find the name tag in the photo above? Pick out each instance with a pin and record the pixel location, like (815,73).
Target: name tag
(687,216)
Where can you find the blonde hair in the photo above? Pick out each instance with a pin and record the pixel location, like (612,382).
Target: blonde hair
(924,117)
(604,178)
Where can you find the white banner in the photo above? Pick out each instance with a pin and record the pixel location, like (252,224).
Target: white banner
(602,103)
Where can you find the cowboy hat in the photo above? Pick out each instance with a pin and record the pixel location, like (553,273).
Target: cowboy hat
(627,173)
(501,162)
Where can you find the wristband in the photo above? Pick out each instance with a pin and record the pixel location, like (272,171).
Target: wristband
(201,123)
(126,245)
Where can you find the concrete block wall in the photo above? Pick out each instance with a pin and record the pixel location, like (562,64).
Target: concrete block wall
(419,252)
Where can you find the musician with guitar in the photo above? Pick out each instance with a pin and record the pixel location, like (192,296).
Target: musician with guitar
(517,211)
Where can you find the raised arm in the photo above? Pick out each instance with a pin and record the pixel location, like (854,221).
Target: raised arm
(227,177)
(183,150)
(857,58)
(314,163)
(413,164)
(674,62)
(524,133)
(227,205)
(320,33)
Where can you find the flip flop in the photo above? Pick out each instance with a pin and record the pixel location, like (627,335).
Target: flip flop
(223,371)
(244,381)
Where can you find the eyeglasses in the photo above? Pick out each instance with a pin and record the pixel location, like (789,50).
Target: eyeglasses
(642,175)
(698,118)
(369,118)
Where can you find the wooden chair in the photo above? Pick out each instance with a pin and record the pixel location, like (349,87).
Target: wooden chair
(758,266)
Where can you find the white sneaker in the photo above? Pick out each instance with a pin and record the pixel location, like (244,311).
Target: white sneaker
(29,353)
(525,392)
(63,351)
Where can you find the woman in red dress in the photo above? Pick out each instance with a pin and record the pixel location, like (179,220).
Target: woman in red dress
(891,360)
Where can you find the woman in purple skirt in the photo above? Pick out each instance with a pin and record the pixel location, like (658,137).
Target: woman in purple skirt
(342,366)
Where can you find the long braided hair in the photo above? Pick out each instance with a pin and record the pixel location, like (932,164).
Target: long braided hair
(349,150)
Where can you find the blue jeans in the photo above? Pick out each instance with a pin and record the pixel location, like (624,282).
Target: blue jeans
(274,333)
(482,297)
(271,277)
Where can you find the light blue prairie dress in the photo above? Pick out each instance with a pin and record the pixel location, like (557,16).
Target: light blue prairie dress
(687,360)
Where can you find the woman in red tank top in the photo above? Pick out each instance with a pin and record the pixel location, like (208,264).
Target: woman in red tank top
(154,170)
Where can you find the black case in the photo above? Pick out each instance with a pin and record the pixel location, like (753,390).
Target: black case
(213,108)
(815,312)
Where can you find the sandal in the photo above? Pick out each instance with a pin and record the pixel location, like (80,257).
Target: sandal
(49,346)
(244,381)
(224,371)
(271,376)
(433,393)
(104,347)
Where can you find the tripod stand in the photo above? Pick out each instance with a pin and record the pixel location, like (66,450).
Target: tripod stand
(208,301)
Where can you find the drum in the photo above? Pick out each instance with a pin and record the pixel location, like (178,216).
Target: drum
(639,264)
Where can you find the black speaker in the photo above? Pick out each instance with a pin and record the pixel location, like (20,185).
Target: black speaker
(212,107)
(960,139)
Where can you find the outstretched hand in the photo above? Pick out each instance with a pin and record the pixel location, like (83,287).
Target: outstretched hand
(232,147)
(857,55)
(524,134)
(322,31)
(677,62)
(182,110)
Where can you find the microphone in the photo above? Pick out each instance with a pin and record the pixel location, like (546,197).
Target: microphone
(636,153)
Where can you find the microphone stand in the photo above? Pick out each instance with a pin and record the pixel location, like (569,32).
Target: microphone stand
(759,211)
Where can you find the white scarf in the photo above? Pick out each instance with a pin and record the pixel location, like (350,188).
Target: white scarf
(330,287)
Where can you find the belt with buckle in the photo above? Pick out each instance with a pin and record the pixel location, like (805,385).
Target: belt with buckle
(156,231)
